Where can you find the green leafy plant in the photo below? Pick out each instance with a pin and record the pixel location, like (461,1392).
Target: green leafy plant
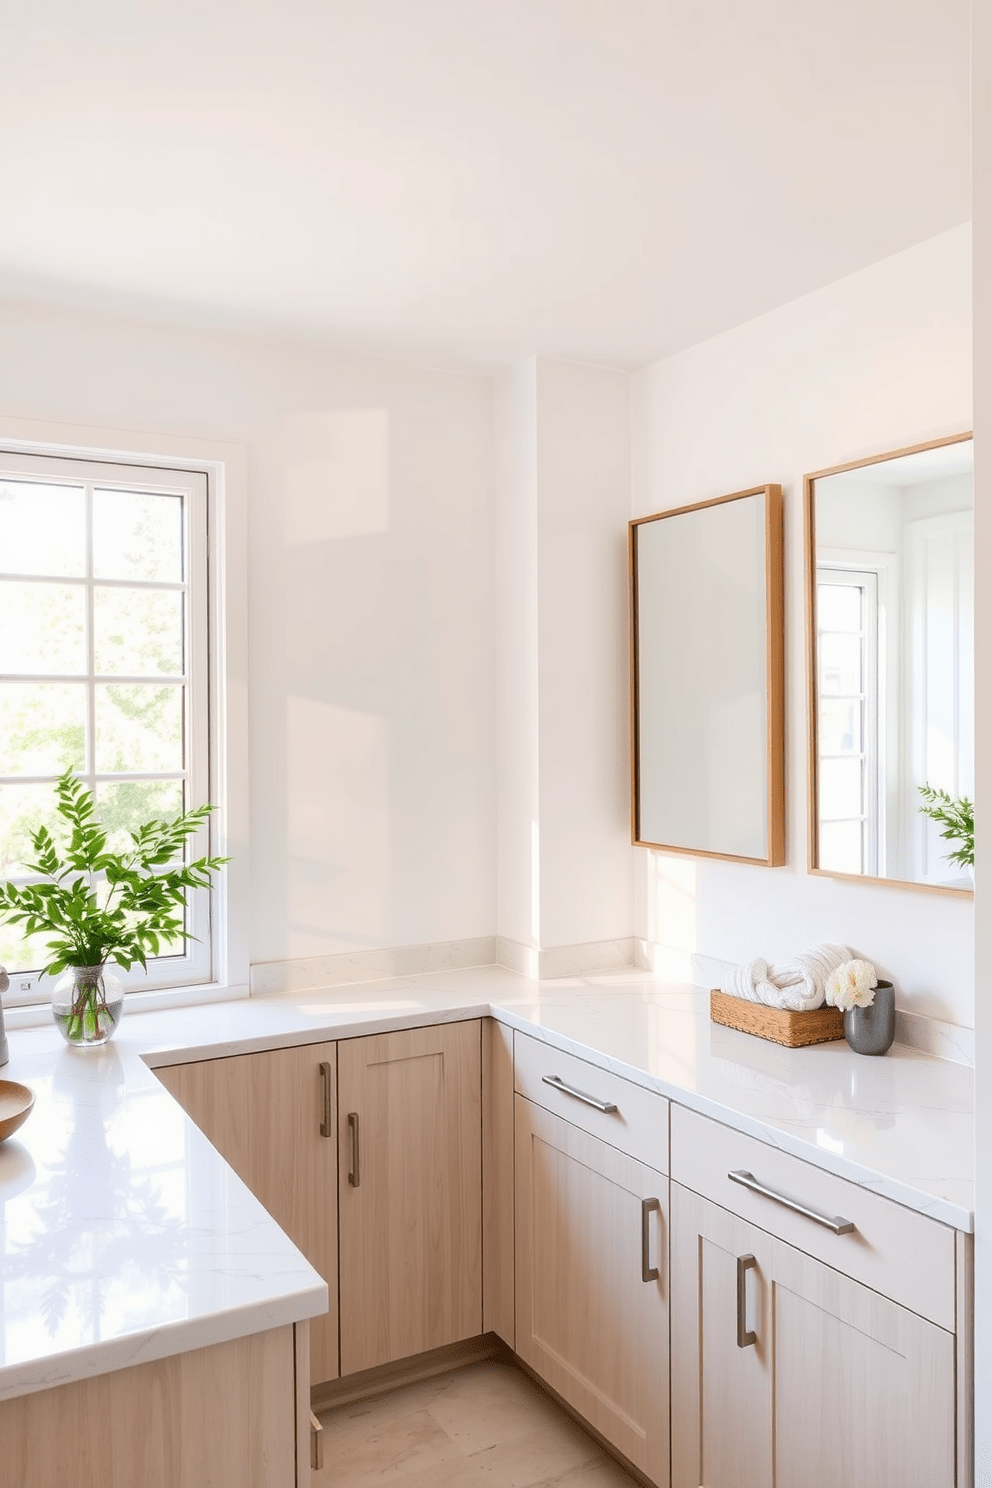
(97,905)
(956,815)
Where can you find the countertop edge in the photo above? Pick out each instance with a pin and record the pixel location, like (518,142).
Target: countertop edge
(882,1184)
(306,1299)
(945,1211)
(149,1344)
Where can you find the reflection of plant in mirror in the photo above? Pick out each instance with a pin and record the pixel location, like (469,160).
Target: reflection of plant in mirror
(956,815)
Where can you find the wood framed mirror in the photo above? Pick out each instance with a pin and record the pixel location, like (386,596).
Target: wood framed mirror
(890,661)
(707,667)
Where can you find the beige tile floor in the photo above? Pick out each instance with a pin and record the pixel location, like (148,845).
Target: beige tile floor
(484,1426)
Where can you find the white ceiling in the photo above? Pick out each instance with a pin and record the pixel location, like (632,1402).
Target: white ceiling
(611,179)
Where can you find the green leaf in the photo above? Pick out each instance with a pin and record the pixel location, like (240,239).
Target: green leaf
(97,905)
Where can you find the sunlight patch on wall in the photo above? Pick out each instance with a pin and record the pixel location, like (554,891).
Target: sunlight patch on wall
(671,919)
(337,474)
(338,765)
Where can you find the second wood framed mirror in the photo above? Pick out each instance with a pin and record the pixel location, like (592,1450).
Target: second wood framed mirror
(890,647)
(707,660)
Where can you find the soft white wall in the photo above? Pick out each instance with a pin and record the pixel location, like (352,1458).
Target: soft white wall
(371,689)
(859,514)
(562,502)
(583,495)
(518,910)
(872,363)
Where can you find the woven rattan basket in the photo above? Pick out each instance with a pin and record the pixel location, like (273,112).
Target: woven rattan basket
(820,1026)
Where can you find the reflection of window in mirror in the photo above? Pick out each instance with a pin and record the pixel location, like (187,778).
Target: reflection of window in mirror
(891,683)
(847,646)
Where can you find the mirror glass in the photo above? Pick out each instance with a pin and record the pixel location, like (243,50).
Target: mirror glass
(706,608)
(891,613)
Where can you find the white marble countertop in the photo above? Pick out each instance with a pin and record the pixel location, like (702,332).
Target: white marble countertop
(125,1236)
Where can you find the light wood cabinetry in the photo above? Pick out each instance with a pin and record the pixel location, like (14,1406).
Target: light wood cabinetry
(592,1281)
(604,1104)
(215,1093)
(904,1255)
(484,1181)
(410,1192)
(265,1114)
(497,1180)
(785,1371)
(226,1415)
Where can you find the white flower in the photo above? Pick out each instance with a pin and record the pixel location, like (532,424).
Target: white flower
(852,985)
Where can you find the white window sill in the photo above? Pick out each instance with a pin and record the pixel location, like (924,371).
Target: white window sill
(39,1014)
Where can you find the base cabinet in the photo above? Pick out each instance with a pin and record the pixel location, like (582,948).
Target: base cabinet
(410,1192)
(592,1281)
(786,1372)
(227,1416)
(272,1116)
(785,1369)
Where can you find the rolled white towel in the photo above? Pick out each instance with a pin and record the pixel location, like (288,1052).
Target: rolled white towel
(798,984)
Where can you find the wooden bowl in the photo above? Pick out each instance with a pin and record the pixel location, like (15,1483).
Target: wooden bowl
(15,1107)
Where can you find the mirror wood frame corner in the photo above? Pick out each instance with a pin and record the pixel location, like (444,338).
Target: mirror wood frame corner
(693,580)
(813,568)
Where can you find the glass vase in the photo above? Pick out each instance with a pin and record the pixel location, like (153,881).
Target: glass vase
(87,1002)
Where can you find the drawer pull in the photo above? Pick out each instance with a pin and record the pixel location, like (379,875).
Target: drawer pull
(745,1338)
(316,1443)
(833,1222)
(557,1083)
(325,1098)
(648,1272)
(355,1171)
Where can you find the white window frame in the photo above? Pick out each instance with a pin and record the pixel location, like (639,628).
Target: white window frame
(845,574)
(224,465)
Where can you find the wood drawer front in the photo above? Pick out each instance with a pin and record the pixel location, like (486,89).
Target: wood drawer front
(895,1251)
(638,1126)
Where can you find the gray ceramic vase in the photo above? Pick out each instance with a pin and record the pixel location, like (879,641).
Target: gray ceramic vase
(870,1030)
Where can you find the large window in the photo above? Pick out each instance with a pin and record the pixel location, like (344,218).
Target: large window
(103,667)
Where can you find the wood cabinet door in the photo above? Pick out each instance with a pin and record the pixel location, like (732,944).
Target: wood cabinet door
(591,1251)
(264,1113)
(838,1385)
(410,1192)
(214,1094)
(292,1168)
(721,1393)
(223,1416)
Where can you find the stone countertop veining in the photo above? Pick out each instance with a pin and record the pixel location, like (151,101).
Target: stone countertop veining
(125,1237)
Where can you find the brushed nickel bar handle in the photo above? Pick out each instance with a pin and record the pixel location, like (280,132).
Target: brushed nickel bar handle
(355,1171)
(557,1083)
(648,1272)
(833,1222)
(316,1443)
(325,1097)
(745,1338)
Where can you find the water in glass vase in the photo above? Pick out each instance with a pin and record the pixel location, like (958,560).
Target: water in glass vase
(87,1002)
